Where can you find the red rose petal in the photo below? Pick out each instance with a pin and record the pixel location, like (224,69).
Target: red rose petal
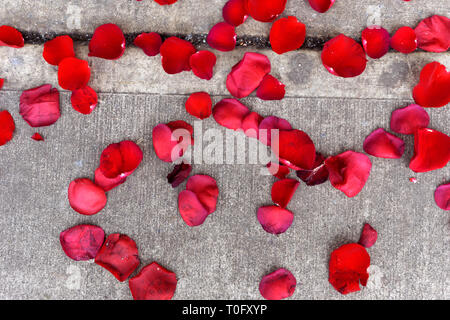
(11,37)
(349,171)
(199,105)
(120,159)
(119,255)
(433,34)
(294,148)
(191,209)
(179,173)
(278,170)
(348,268)
(2,82)
(37,137)
(368,236)
(206,190)
(271,123)
(275,219)
(321,5)
(175,55)
(408,119)
(222,37)
(150,43)
(442,196)
(73,74)
(287,34)
(250,124)
(39,106)
(230,113)
(376,41)
(153,283)
(202,64)
(108,42)
(106,183)
(247,75)
(7,127)
(433,89)
(278,285)
(85,197)
(58,49)
(164,143)
(265,10)
(82,242)
(270,88)
(382,144)
(344,57)
(234,12)
(317,175)
(84,100)
(404,40)
(165,2)
(283,191)
(431,150)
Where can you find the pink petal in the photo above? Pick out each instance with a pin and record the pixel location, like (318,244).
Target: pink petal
(442,196)
(408,119)
(85,197)
(40,106)
(278,285)
(382,144)
(275,219)
(206,190)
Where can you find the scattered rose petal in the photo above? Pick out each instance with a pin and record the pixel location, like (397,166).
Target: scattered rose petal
(2,82)
(283,191)
(250,124)
(270,88)
(230,113)
(294,148)
(404,40)
(271,123)
(265,10)
(222,37)
(7,127)
(382,144)
(202,64)
(349,172)
(37,137)
(120,159)
(278,285)
(442,196)
(179,173)
(368,236)
(413,180)
(82,242)
(119,255)
(431,150)
(376,41)
(105,183)
(176,54)
(206,190)
(150,43)
(287,34)
(191,209)
(433,89)
(199,105)
(58,49)
(73,74)
(275,219)
(171,140)
(408,119)
(234,12)
(39,106)
(247,75)
(85,197)
(278,170)
(84,100)
(433,34)
(153,283)
(321,5)
(344,57)
(108,42)
(348,268)
(11,37)
(317,175)
(165,2)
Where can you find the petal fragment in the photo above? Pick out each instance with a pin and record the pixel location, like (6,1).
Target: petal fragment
(275,219)
(283,190)
(321,5)
(431,150)
(433,89)
(82,242)
(165,2)
(230,113)
(408,119)
(294,149)
(270,88)
(318,174)
(108,42)
(404,40)
(433,34)
(202,64)
(278,285)
(265,10)
(368,236)
(382,144)
(278,170)
(11,37)
(39,106)
(175,55)
(234,12)
(222,37)
(150,43)
(287,34)
(73,74)
(153,283)
(442,196)
(199,105)
(37,137)
(376,41)
(84,100)
(85,197)
(7,127)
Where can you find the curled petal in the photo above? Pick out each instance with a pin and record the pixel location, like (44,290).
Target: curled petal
(82,242)
(250,124)
(179,173)
(11,37)
(108,42)
(283,190)
(120,159)
(176,54)
(376,41)
(287,34)
(150,43)
(153,283)
(7,127)
(206,190)
(294,149)
(318,174)
(107,183)
(270,88)
(234,12)
(271,123)
(382,144)
(278,170)
(404,40)
(202,64)
(84,100)
(39,106)
(431,150)
(433,34)
(222,37)
(433,89)
(408,119)
(199,105)
(58,49)
(265,10)
(278,285)
(230,113)
(85,197)
(442,196)
(275,219)
(191,209)
(368,236)
(321,5)
(73,74)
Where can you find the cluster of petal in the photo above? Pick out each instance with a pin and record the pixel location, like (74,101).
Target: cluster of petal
(176,54)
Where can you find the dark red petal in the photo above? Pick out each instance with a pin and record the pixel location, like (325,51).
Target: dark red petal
(191,209)
(321,5)
(265,10)
(287,34)
(106,183)
(283,191)
(58,49)
(73,74)
(39,106)
(294,148)
(199,105)
(120,159)
(7,127)
(271,123)
(119,255)
(375,40)
(404,40)
(206,190)
(250,124)
(202,64)
(230,113)
(270,89)
(433,34)
(85,197)
(234,12)
(275,219)
(348,268)
(408,119)
(433,89)
(349,171)
(11,37)
(247,75)
(37,137)
(175,55)
(382,144)
(153,283)
(442,196)
(278,285)
(150,43)
(278,170)
(344,57)
(108,42)
(222,37)
(165,2)
(82,242)
(317,175)
(179,173)
(84,100)
(368,236)
(431,150)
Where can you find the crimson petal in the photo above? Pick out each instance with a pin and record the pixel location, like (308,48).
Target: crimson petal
(230,113)
(58,49)
(199,105)
(442,196)
(85,197)
(73,74)
(275,219)
(317,175)
(202,64)
(321,5)
(206,190)
(153,283)
(222,37)
(82,242)
(39,106)
(84,100)
(234,12)
(294,149)
(150,43)
(382,144)
(287,34)
(376,41)
(270,88)
(404,40)
(433,34)
(176,54)
(265,10)
(179,173)
(191,209)
(11,37)
(368,236)
(120,159)
(408,119)
(7,127)
(278,285)
(271,123)
(108,42)
(433,89)
(431,150)
(283,191)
